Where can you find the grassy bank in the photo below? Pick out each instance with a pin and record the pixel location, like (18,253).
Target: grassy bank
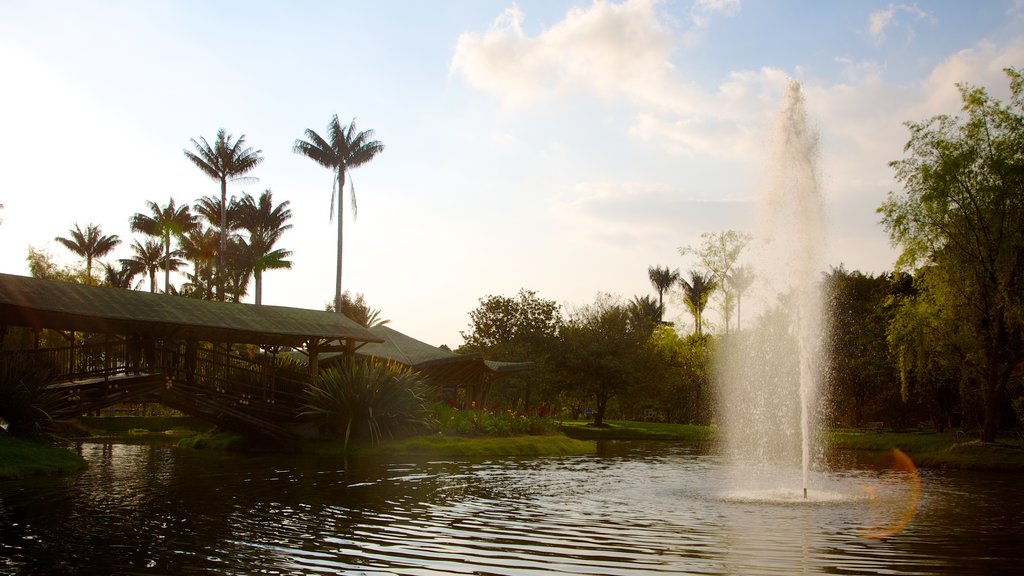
(627,430)
(935,450)
(22,458)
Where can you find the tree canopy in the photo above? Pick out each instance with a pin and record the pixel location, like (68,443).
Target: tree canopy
(959,223)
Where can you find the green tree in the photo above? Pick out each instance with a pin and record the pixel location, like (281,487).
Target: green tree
(602,355)
(146,259)
(739,281)
(961,211)
(524,328)
(696,293)
(644,315)
(225,160)
(343,150)
(718,254)
(861,371)
(663,280)
(41,265)
(683,391)
(120,277)
(166,223)
(90,244)
(265,224)
(358,310)
(200,247)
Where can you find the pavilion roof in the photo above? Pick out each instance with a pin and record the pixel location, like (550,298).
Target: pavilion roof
(59,305)
(438,363)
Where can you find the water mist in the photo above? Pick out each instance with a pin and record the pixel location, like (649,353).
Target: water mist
(771,370)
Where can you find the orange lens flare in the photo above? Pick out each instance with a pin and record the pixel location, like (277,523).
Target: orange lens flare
(894,499)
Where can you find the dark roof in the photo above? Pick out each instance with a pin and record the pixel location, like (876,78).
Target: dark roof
(437,363)
(409,351)
(66,306)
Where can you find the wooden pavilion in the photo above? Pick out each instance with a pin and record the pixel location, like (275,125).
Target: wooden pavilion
(140,342)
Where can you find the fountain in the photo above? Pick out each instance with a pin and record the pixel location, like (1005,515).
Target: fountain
(770,371)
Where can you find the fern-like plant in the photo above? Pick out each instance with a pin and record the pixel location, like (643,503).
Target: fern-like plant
(368,399)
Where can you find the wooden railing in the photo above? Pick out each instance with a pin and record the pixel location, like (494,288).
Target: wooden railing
(252,391)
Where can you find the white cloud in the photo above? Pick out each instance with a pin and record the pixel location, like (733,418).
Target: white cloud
(608,49)
(703,10)
(641,214)
(880,21)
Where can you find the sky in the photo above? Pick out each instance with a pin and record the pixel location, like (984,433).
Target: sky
(555,146)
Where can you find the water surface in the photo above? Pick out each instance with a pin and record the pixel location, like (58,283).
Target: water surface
(635,508)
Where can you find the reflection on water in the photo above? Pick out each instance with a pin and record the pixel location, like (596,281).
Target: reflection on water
(635,508)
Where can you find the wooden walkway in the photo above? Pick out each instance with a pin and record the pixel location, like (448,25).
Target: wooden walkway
(246,395)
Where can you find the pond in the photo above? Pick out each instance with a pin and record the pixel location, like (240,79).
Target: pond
(634,508)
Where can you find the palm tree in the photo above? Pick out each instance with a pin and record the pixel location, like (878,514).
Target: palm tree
(120,277)
(224,161)
(343,150)
(238,269)
(265,224)
(741,279)
(165,223)
(663,279)
(145,259)
(644,314)
(89,244)
(358,310)
(199,246)
(696,292)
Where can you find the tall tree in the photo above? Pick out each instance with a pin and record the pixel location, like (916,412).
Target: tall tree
(120,277)
(740,280)
(602,356)
(718,254)
(357,309)
(961,215)
(146,259)
(342,150)
(696,292)
(200,247)
(166,223)
(265,224)
(225,160)
(90,244)
(663,280)
(644,315)
(525,327)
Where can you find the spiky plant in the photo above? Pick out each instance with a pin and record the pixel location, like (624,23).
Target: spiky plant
(368,399)
(25,403)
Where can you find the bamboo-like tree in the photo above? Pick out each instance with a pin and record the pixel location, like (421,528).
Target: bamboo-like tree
(342,150)
(166,223)
(662,279)
(225,160)
(696,292)
(90,244)
(740,280)
(265,224)
(145,259)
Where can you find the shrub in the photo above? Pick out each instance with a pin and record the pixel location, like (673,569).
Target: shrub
(493,421)
(368,399)
(25,403)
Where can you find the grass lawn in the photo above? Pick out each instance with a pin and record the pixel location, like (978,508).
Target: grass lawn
(935,450)
(23,458)
(628,430)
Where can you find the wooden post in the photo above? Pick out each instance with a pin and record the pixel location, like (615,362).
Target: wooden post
(313,345)
(106,357)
